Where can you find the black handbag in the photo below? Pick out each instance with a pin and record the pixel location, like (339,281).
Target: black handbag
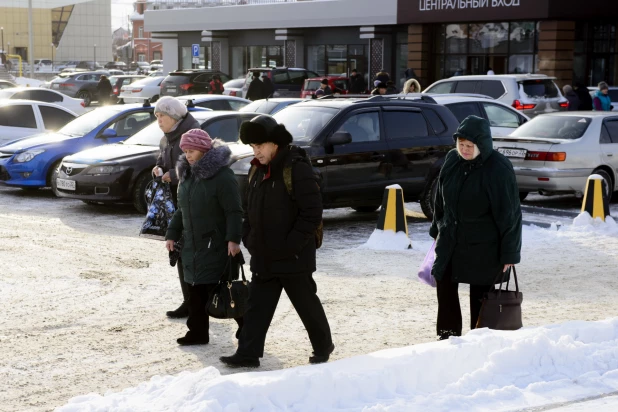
(501,309)
(230,298)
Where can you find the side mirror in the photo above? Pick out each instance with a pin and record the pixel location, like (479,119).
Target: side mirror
(340,138)
(107,133)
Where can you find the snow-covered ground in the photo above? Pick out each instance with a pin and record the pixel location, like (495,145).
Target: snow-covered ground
(83,301)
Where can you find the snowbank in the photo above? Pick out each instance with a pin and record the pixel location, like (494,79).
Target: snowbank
(387,240)
(484,370)
(585,223)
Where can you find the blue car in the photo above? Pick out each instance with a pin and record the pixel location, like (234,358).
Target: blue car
(32,162)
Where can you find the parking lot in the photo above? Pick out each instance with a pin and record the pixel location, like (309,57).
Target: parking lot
(84,297)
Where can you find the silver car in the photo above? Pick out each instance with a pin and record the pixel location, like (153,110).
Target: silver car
(555,153)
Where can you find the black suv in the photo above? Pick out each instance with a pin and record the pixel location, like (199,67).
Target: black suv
(362,145)
(183,82)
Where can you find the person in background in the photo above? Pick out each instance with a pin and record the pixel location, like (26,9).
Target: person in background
(602,102)
(357,84)
(490,71)
(269,87)
(411,86)
(390,88)
(216,86)
(325,87)
(209,216)
(174,120)
(382,76)
(585,100)
(459,72)
(380,89)
(256,88)
(477,223)
(104,90)
(572,97)
(282,217)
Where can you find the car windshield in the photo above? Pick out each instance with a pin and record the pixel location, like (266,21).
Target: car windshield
(150,135)
(554,127)
(260,106)
(540,88)
(85,123)
(304,123)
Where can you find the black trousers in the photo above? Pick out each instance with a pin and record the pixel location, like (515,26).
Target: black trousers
(449,311)
(264,295)
(198,321)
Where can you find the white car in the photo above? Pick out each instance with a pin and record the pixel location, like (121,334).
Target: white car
(140,90)
(22,118)
(43,65)
(503,119)
(43,94)
(234,87)
(215,101)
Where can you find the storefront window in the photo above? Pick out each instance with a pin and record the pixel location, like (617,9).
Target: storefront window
(456,38)
(186,61)
(337,60)
(401,60)
(595,54)
(489,38)
(265,56)
(239,62)
(316,58)
(522,37)
(521,63)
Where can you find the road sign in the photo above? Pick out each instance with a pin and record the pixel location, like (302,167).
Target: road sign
(196,60)
(195,48)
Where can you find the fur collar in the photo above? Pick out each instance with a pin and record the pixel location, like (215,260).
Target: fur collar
(208,165)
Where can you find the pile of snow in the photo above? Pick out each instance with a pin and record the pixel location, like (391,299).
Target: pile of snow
(387,240)
(25,81)
(585,223)
(484,370)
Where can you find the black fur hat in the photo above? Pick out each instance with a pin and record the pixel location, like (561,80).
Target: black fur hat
(262,129)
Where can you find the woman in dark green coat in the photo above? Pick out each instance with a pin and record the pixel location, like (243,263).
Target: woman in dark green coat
(209,216)
(476,224)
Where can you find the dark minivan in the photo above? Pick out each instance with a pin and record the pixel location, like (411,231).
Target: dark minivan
(287,82)
(183,82)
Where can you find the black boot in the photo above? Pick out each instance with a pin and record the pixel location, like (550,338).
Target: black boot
(191,339)
(183,310)
(445,334)
(240,361)
(323,357)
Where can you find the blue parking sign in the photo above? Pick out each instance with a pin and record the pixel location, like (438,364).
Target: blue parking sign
(196,50)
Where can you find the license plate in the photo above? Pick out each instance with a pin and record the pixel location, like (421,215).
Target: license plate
(171,90)
(517,153)
(65,184)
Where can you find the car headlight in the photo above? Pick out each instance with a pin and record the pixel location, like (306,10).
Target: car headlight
(27,156)
(105,170)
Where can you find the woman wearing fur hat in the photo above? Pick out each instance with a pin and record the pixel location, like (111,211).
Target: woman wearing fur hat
(284,211)
(476,223)
(411,86)
(209,216)
(174,120)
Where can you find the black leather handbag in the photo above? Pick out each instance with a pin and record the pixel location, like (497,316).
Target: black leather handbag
(501,309)
(230,298)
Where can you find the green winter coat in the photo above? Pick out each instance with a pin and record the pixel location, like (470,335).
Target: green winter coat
(477,215)
(209,214)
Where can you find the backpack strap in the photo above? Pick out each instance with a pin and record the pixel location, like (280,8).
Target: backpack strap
(252,172)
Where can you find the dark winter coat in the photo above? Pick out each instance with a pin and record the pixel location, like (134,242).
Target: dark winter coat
(104,89)
(279,228)
(585,100)
(209,214)
(216,87)
(573,99)
(327,91)
(357,84)
(170,147)
(256,90)
(602,102)
(269,87)
(477,215)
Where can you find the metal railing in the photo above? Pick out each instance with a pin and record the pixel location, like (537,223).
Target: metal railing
(190,4)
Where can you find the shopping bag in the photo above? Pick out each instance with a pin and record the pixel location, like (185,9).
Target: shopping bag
(160,210)
(424,272)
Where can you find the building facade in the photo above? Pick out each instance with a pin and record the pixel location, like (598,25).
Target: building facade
(144,48)
(570,39)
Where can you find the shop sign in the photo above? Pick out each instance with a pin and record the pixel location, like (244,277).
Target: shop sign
(428,5)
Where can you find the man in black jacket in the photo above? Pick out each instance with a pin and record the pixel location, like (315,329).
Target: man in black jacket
(357,84)
(283,213)
(174,120)
(256,88)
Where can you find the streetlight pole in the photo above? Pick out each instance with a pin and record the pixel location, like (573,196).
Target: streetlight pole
(52,50)
(95,57)
(2,31)
(30,40)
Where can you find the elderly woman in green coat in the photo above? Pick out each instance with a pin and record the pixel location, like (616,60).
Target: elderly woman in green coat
(476,224)
(209,216)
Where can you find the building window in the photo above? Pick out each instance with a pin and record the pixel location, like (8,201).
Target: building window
(337,59)
(140,32)
(156,55)
(187,58)
(401,59)
(475,48)
(596,54)
(141,57)
(245,58)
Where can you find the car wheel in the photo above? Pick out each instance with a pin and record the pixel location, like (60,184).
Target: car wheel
(85,96)
(428,196)
(139,192)
(154,98)
(523,196)
(365,209)
(608,181)
(52,176)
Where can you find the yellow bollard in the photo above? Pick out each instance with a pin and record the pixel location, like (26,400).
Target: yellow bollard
(596,202)
(392,214)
